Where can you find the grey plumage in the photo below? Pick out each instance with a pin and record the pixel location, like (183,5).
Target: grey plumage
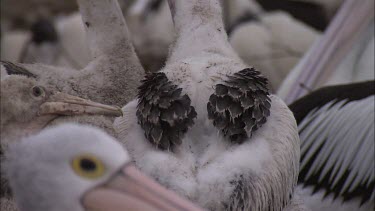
(240,105)
(163,112)
(112,77)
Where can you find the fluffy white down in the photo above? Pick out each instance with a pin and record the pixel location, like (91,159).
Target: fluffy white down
(43,178)
(203,167)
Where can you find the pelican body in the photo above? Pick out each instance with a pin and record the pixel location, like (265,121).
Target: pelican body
(205,125)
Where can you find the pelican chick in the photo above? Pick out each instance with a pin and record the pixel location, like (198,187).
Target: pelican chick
(27,105)
(76,167)
(206,126)
(113,75)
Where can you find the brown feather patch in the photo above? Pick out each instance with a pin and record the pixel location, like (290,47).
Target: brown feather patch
(163,112)
(13,69)
(240,105)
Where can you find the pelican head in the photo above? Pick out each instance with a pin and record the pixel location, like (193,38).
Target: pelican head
(75,167)
(30,104)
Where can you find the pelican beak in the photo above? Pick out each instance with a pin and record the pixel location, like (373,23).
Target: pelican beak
(132,190)
(64,104)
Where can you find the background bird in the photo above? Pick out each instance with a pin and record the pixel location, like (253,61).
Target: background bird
(90,170)
(310,12)
(43,46)
(273,52)
(336,122)
(265,44)
(70,48)
(324,65)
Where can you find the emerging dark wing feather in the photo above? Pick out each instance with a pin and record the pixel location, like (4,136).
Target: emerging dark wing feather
(13,69)
(163,112)
(240,105)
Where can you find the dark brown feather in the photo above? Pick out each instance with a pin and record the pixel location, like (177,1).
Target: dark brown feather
(13,69)
(163,112)
(240,105)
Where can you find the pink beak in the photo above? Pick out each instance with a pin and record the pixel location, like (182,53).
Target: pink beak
(132,190)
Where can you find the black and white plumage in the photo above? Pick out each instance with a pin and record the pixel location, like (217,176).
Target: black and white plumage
(335,122)
(336,126)
(256,173)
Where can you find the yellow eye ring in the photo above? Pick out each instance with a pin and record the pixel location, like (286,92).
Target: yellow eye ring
(88,166)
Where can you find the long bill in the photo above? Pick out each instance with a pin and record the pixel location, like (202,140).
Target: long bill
(132,190)
(64,104)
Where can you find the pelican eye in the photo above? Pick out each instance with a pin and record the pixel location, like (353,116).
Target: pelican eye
(37,91)
(88,166)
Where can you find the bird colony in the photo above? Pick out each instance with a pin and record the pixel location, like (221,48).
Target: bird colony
(188,105)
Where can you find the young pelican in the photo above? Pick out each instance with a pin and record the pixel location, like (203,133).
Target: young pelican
(75,167)
(110,78)
(206,127)
(113,75)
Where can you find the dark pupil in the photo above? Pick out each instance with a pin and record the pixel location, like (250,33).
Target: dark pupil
(37,91)
(87,165)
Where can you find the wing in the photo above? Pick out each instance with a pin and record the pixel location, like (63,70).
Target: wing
(240,105)
(353,91)
(163,112)
(337,149)
(13,69)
